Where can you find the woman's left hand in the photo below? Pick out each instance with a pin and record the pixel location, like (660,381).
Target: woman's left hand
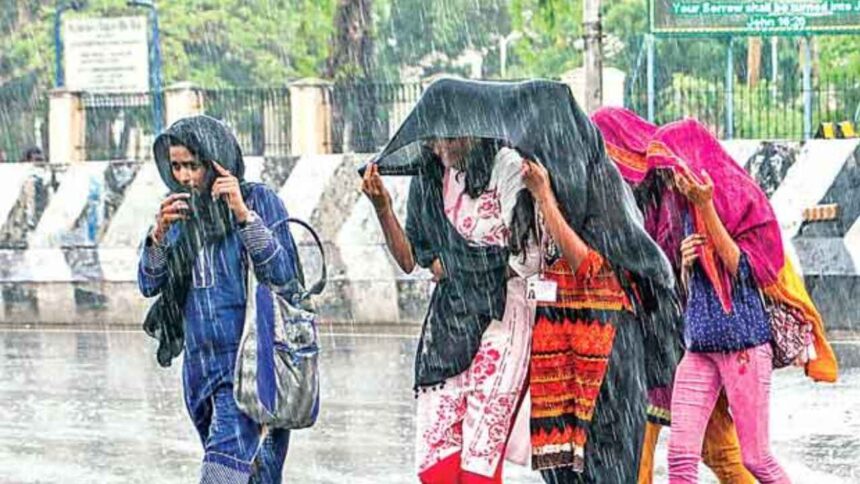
(536,180)
(226,186)
(438,270)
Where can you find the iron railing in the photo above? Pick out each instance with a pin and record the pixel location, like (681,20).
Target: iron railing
(23,118)
(259,117)
(764,111)
(366,114)
(118,126)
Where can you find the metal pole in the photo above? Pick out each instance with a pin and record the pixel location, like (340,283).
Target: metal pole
(774,59)
(59,71)
(503,56)
(154,64)
(649,40)
(807,88)
(59,77)
(774,63)
(593,56)
(155,75)
(730,86)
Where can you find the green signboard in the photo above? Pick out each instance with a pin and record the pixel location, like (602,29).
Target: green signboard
(754,17)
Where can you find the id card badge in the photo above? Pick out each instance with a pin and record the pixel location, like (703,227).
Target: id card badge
(541,290)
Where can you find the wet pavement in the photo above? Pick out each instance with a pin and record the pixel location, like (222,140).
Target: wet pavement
(81,406)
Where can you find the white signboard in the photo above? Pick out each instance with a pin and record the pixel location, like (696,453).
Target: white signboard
(106,54)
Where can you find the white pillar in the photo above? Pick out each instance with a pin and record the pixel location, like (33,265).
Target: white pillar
(67,127)
(612,87)
(181,100)
(310,117)
(593,56)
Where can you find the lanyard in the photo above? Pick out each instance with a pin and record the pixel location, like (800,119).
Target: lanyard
(543,240)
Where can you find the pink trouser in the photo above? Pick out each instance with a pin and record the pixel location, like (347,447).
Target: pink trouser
(745,375)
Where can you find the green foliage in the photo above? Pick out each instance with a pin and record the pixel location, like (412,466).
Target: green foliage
(692,96)
(840,54)
(229,43)
(214,43)
(417,32)
(627,21)
(550,30)
(767,110)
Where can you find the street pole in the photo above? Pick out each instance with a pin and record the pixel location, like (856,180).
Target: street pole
(649,39)
(59,72)
(593,56)
(154,64)
(807,88)
(730,88)
(774,58)
(504,42)
(774,63)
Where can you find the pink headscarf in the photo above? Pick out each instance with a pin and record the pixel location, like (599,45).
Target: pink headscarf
(626,136)
(742,206)
(740,203)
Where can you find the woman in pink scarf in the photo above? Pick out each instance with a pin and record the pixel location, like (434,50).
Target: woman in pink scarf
(732,253)
(627,136)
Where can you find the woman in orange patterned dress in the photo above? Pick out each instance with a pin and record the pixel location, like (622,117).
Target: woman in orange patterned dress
(587,371)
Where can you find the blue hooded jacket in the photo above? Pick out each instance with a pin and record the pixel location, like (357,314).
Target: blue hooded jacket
(214,309)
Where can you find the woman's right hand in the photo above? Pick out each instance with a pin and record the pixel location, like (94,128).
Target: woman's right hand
(698,193)
(372,186)
(688,249)
(173,208)
(536,179)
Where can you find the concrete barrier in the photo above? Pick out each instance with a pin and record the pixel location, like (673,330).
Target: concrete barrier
(77,264)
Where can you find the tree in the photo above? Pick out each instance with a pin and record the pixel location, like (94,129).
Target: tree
(219,43)
(551,42)
(754,45)
(352,41)
(214,43)
(430,37)
(840,55)
(350,65)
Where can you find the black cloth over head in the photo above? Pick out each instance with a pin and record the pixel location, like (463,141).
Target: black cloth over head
(542,121)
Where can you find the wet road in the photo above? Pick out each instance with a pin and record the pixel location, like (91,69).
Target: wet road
(93,407)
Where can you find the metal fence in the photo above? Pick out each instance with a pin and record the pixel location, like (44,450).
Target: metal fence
(366,114)
(121,126)
(765,111)
(23,118)
(118,126)
(260,117)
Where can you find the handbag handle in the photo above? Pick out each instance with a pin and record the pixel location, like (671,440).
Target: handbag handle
(318,286)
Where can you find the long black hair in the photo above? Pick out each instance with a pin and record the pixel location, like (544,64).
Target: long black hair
(478,166)
(649,192)
(523,225)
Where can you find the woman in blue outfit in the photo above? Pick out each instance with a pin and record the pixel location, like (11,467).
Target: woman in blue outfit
(207,231)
